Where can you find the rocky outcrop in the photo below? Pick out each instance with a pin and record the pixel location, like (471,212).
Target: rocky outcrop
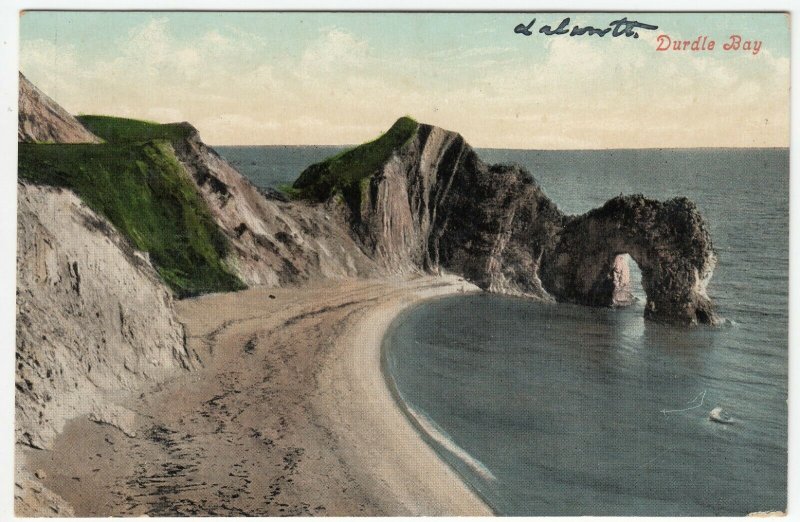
(94,320)
(669,242)
(274,242)
(434,205)
(43,120)
(620,279)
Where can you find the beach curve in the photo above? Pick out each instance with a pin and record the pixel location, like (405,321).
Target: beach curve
(418,479)
(289,415)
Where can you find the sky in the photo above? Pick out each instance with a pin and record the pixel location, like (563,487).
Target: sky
(343,78)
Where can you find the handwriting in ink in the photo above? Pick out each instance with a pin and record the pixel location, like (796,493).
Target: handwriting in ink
(622,27)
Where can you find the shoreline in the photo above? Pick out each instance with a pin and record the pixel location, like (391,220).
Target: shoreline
(431,432)
(419,475)
(290,415)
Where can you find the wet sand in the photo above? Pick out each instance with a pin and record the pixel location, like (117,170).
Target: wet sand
(289,416)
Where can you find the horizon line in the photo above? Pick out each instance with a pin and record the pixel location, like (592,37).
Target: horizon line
(477,147)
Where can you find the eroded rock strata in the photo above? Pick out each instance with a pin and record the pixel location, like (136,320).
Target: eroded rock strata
(669,242)
(427,203)
(431,205)
(434,205)
(274,242)
(94,320)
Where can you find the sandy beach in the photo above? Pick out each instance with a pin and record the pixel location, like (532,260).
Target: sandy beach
(290,415)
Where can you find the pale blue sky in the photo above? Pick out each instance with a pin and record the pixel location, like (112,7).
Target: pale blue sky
(268,78)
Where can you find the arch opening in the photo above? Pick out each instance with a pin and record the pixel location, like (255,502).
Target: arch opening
(626,281)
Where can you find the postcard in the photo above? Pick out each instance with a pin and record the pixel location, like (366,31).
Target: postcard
(342,263)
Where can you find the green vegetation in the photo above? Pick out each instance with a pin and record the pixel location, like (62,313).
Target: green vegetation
(124,130)
(348,172)
(290,191)
(147,195)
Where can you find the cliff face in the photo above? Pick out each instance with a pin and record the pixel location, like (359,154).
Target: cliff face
(94,321)
(434,205)
(274,242)
(43,120)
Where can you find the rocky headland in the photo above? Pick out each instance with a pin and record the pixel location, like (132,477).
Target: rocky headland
(431,204)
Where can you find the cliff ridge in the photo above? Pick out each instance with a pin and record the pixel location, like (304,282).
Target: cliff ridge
(433,205)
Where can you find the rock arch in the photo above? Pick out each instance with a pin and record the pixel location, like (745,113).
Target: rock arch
(435,206)
(669,242)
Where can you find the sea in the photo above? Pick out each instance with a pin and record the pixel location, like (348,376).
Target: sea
(567,410)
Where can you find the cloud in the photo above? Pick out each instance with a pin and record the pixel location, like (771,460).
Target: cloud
(335,51)
(215,38)
(53,68)
(338,87)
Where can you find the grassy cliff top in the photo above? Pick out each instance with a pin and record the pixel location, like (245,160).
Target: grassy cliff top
(345,172)
(125,130)
(147,195)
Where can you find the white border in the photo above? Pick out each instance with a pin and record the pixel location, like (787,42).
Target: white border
(9,35)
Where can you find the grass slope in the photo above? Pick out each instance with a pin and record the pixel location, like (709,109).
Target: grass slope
(348,172)
(125,130)
(145,192)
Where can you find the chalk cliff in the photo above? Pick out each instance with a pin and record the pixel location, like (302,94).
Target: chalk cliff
(433,205)
(94,317)
(94,320)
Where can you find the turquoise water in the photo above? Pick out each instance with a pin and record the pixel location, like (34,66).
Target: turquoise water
(567,410)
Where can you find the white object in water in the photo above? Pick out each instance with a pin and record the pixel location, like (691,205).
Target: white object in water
(717,415)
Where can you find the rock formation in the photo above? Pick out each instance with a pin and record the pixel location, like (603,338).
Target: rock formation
(43,120)
(669,242)
(620,279)
(94,320)
(420,199)
(275,242)
(434,205)
(93,315)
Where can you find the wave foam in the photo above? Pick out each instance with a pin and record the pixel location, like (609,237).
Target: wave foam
(435,432)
